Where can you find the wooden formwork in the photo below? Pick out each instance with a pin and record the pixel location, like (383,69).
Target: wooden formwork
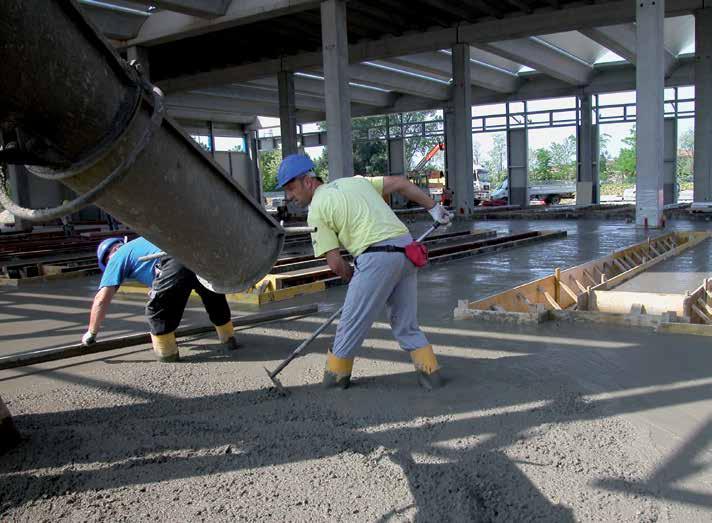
(586,292)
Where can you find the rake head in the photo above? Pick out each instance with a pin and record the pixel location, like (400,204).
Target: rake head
(277,384)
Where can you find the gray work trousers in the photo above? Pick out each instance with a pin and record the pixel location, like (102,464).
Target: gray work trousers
(381,278)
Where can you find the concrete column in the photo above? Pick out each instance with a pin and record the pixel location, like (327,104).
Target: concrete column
(396,157)
(397,167)
(703,106)
(211,138)
(584,148)
(287,113)
(596,157)
(650,91)
(517,160)
(670,159)
(337,95)
(461,176)
(449,124)
(140,54)
(251,146)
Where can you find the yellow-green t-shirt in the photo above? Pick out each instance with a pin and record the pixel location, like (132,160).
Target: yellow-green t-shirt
(351,212)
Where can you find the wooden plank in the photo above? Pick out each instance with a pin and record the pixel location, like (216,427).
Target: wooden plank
(620,265)
(706,319)
(579,285)
(590,278)
(692,329)
(568,291)
(702,304)
(630,262)
(552,301)
(657,253)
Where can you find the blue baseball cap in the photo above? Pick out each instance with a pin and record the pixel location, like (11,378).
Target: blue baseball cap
(293,166)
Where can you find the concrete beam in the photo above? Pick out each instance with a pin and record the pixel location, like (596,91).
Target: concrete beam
(119,23)
(405,83)
(314,85)
(168,26)
(255,94)
(621,39)
(335,49)
(544,58)
(239,111)
(440,65)
(609,78)
(650,92)
(199,8)
(542,21)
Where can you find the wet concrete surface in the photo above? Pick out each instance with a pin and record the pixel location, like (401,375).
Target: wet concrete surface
(555,422)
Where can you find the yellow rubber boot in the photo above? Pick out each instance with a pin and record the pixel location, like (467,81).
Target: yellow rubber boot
(226,335)
(427,368)
(337,373)
(165,347)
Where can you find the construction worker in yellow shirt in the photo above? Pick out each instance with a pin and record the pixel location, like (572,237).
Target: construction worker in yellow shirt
(351,212)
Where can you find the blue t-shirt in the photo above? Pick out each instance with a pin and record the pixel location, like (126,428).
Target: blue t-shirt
(124,264)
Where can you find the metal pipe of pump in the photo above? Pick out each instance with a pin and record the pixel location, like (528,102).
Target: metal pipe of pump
(80,111)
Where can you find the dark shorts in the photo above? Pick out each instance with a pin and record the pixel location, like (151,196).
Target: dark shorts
(169,295)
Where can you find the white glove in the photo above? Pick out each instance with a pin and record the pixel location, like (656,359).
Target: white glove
(440,214)
(89,338)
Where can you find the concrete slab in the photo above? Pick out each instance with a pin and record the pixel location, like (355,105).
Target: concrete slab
(549,422)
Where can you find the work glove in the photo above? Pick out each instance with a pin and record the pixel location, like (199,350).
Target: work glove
(440,214)
(89,338)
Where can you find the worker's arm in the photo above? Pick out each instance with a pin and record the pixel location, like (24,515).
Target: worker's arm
(406,188)
(338,265)
(98,312)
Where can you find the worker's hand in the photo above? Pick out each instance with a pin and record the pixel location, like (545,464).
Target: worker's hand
(440,214)
(89,338)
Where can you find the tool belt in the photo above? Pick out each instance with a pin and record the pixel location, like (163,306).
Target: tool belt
(415,251)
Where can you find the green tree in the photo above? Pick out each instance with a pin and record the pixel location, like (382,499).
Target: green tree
(496,163)
(321,165)
(685,157)
(542,165)
(625,164)
(269,164)
(603,157)
(563,159)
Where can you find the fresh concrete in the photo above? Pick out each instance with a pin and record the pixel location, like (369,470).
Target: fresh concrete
(550,423)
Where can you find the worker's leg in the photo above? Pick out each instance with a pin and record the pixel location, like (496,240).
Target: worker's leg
(219,313)
(167,300)
(403,313)
(374,278)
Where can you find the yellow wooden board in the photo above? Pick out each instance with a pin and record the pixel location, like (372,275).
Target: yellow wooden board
(135,289)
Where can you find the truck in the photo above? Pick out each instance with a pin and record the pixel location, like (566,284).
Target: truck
(550,192)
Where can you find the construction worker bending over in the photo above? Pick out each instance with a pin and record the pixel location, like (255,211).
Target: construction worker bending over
(352,213)
(171,284)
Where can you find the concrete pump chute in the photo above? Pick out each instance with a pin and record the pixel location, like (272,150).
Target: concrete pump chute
(77,113)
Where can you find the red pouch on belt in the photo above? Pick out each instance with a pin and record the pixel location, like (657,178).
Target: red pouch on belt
(417,253)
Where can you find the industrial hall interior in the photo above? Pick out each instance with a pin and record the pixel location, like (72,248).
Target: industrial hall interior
(356,260)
